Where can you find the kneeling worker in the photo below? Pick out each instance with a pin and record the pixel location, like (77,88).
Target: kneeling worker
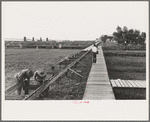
(23,78)
(40,76)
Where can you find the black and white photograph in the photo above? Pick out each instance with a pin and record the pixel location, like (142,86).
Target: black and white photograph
(75,60)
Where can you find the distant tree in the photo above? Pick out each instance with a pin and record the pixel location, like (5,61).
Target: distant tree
(141,38)
(125,29)
(126,36)
(119,30)
(103,38)
(131,31)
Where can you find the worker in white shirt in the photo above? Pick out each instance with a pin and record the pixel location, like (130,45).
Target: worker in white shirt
(95,52)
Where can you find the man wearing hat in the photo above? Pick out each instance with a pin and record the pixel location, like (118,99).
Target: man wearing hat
(40,76)
(23,78)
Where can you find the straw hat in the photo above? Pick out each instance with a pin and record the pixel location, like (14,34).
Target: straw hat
(41,73)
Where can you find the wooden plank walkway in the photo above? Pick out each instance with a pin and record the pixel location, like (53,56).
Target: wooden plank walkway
(98,86)
(128,83)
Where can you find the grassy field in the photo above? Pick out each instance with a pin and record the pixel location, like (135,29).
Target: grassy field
(18,59)
(113,46)
(130,93)
(126,67)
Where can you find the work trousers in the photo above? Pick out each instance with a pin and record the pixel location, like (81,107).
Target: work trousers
(94,57)
(23,84)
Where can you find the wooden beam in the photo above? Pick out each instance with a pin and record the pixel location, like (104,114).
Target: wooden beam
(76,72)
(12,88)
(82,64)
(33,87)
(14,97)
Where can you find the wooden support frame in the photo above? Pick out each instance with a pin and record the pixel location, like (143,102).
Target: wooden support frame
(82,64)
(43,87)
(12,88)
(76,72)
(14,97)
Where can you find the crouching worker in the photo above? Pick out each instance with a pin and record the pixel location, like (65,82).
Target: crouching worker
(39,77)
(23,78)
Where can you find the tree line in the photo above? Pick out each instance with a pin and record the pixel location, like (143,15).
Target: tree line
(125,36)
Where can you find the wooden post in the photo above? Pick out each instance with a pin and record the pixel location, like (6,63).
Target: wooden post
(41,39)
(47,39)
(32,38)
(25,39)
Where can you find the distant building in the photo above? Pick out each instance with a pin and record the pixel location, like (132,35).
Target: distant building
(25,39)
(33,39)
(41,39)
(110,37)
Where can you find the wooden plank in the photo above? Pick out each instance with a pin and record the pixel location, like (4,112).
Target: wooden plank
(98,92)
(117,83)
(133,84)
(101,88)
(97,72)
(12,88)
(98,78)
(138,85)
(128,83)
(101,80)
(125,84)
(98,75)
(52,86)
(14,97)
(120,81)
(100,83)
(76,73)
(98,89)
(113,83)
(141,84)
(92,97)
(32,87)
(82,64)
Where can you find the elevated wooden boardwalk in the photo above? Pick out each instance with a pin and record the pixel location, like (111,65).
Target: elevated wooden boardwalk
(98,86)
(128,83)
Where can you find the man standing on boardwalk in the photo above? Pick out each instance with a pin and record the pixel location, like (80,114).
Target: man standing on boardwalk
(23,78)
(94,51)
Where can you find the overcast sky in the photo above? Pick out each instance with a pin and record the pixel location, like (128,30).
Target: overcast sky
(71,20)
